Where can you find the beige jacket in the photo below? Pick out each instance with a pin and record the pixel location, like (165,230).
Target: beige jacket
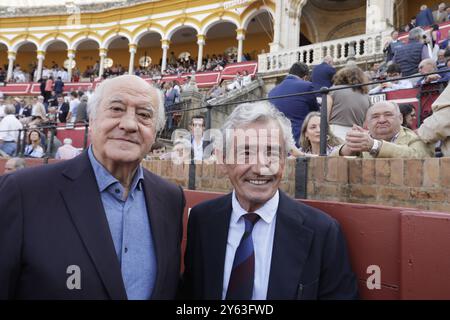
(437,126)
(407,145)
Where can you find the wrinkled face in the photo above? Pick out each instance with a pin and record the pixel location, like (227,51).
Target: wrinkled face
(259,160)
(124,125)
(313,130)
(384,121)
(426,68)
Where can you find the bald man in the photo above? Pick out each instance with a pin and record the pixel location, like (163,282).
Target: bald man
(386,138)
(111,230)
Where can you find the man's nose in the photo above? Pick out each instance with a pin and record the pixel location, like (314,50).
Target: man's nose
(128,121)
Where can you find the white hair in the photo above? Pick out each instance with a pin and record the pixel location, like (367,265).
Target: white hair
(96,98)
(67,141)
(247,113)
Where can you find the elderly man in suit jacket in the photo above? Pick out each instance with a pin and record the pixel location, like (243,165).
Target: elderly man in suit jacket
(111,229)
(257,242)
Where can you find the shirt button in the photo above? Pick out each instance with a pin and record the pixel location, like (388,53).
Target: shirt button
(117,191)
(126,250)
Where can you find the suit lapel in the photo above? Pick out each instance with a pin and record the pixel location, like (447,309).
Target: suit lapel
(82,197)
(216,237)
(292,242)
(155,210)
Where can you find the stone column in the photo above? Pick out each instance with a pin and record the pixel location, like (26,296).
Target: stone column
(240,38)
(40,58)
(379,16)
(71,56)
(165,47)
(103,53)
(132,48)
(11,60)
(201,43)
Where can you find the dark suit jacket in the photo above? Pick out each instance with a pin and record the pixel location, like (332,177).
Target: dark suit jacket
(309,257)
(52,217)
(424,18)
(322,75)
(64,112)
(297,107)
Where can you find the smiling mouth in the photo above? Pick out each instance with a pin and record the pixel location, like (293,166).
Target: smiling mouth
(126,140)
(258,182)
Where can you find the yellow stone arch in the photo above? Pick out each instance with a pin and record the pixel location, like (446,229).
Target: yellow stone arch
(52,38)
(178,23)
(113,34)
(5,41)
(80,37)
(146,29)
(218,17)
(18,41)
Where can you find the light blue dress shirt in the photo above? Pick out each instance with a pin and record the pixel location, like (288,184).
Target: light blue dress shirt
(130,230)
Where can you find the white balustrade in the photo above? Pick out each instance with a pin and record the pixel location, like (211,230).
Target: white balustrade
(365,46)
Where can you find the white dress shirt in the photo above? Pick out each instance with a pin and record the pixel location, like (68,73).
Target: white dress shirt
(263,235)
(198,150)
(9,128)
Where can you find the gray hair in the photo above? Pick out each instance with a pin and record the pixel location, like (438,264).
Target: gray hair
(96,98)
(9,109)
(416,33)
(247,113)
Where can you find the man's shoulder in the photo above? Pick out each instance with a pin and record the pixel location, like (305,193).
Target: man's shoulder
(209,206)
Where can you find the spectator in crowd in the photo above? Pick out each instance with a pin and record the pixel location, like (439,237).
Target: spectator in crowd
(48,88)
(14,164)
(393,72)
(246,78)
(391,46)
(73,107)
(386,138)
(322,74)
(409,115)
(170,96)
(9,131)
(444,44)
(347,107)
(59,86)
(62,109)
(441,62)
(52,147)
(2,106)
(295,108)
(42,82)
(428,66)
(410,55)
(18,105)
(310,136)
(38,113)
(157,150)
(411,25)
(435,41)
(34,148)
(198,144)
(82,114)
(236,83)
(216,91)
(436,127)
(262,234)
(440,15)
(67,151)
(425,17)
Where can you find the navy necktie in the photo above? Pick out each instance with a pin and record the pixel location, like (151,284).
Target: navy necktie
(240,286)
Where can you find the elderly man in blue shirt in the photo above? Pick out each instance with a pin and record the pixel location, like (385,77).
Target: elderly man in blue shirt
(112,229)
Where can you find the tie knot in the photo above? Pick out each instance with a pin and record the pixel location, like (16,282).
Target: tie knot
(251,217)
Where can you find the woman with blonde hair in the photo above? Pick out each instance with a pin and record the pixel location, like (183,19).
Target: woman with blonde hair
(349,106)
(310,136)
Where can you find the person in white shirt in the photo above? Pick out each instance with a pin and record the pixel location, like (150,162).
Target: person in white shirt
(393,72)
(67,151)
(246,78)
(197,128)
(74,103)
(2,106)
(9,131)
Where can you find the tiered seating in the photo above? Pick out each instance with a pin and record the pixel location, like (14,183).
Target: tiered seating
(443,27)
(203,79)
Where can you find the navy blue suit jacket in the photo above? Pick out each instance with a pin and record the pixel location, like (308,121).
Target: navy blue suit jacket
(424,18)
(52,217)
(309,257)
(295,108)
(322,75)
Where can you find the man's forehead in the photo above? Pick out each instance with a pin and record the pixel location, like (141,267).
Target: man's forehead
(197,121)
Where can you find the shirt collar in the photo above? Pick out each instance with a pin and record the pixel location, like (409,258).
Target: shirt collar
(105,178)
(267,212)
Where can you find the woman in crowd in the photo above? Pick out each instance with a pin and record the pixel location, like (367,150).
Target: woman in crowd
(347,107)
(310,136)
(409,115)
(34,149)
